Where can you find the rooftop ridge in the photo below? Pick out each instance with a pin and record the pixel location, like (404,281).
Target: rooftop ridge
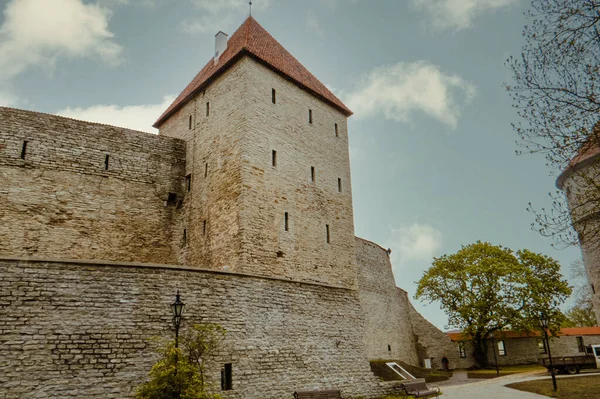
(252,39)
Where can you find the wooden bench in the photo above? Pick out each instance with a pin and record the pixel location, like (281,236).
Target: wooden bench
(325,394)
(419,390)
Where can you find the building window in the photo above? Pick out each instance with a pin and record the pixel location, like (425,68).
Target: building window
(336,131)
(184,237)
(593,289)
(461,350)
(273,96)
(286,221)
(226,378)
(310,116)
(339,185)
(312,174)
(501,348)
(207,108)
(204,228)
(24,150)
(274,158)
(327,233)
(188,182)
(206,169)
(190,123)
(106,158)
(541,343)
(389,348)
(580,345)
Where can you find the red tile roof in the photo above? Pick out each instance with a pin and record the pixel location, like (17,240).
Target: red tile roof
(458,335)
(253,40)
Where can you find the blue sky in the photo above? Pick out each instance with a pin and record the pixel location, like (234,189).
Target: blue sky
(432,149)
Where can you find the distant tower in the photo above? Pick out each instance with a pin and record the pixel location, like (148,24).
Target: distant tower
(267,165)
(580,182)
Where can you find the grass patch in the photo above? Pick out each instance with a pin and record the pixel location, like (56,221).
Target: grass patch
(586,387)
(505,370)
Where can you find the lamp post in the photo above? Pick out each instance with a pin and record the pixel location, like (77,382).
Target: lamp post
(544,325)
(494,350)
(177,308)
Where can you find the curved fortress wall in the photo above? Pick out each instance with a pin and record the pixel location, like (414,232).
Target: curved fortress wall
(580,185)
(82,330)
(388,329)
(77,190)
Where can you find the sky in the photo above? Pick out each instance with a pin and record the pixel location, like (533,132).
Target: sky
(431,144)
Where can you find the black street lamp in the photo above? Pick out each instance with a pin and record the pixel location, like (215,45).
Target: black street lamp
(544,325)
(177,308)
(494,350)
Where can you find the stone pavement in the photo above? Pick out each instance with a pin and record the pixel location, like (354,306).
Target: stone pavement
(493,388)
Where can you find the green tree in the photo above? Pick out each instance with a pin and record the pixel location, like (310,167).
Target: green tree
(485,288)
(181,372)
(556,91)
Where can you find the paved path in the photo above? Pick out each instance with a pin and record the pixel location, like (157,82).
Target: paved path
(493,388)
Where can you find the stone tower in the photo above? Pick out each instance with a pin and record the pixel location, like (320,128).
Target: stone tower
(267,166)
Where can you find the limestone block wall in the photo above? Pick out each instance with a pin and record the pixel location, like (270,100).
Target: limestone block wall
(581,193)
(434,344)
(211,206)
(80,190)
(566,345)
(81,330)
(388,330)
(316,208)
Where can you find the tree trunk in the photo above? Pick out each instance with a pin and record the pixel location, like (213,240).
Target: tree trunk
(480,350)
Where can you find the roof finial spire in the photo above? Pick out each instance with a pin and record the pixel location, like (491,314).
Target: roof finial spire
(250,8)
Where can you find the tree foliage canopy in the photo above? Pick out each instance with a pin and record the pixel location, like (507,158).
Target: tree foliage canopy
(484,288)
(557,94)
(180,373)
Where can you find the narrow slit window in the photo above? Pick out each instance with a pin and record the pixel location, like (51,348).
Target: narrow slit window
(339,185)
(273,96)
(389,348)
(274,158)
(327,233)
(593,289)
(312,174)
(207,108)
(184,237)
(172,199)
(188,182)
(190,123)
(310,120)
(24,149)
(106,159)
(204,228)
(286,221)
(226,377)
(337,134)
(206,169)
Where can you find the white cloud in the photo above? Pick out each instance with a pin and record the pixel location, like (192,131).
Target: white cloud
(458,14)
(219,13)
(36,33)
(417,242)
(7,99)
(137,117)
(413,248)
(398,91)
(313,24)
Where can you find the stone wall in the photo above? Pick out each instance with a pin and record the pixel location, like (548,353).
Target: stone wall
(433,344)
(388,330)
(244,198)
(60,196)
(81,329)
